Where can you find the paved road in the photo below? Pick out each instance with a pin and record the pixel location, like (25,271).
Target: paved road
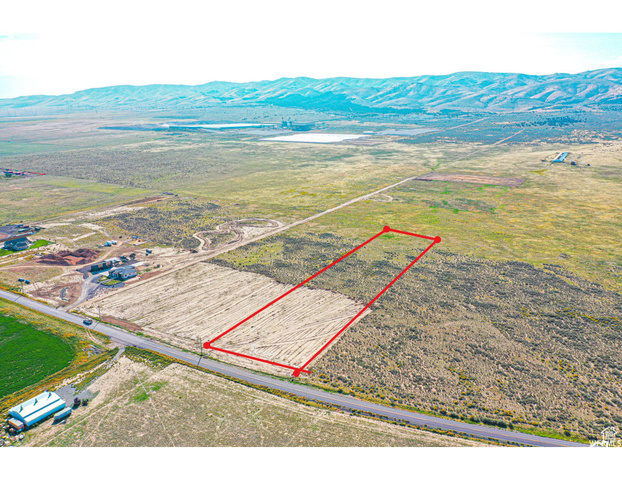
(342,401)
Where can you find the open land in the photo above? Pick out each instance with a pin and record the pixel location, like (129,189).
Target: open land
(513,319)
(480,179)
(214,411)
(141,403)
(289,332)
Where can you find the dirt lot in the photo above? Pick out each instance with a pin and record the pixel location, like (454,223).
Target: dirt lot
(139,404)
(68,258)
(197,303)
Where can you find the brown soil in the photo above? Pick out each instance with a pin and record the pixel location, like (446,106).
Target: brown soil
(81,256)
(122,323)
(150,274)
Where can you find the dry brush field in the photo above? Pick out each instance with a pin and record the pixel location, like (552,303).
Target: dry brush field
(515,318)
(199,302)
(500,342)
(140,403)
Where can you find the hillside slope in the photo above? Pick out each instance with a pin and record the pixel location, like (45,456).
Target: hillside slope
(466,91)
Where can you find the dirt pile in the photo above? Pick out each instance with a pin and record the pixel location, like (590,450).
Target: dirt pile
(80,256)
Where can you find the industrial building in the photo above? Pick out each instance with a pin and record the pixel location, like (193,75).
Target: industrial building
(37,408)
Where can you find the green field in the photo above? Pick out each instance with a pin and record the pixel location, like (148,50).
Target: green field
(29,355)
(39,352)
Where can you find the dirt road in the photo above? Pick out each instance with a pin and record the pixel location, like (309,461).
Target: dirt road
(242,229)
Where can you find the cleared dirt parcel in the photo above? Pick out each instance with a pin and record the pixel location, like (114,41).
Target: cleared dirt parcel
(197,303)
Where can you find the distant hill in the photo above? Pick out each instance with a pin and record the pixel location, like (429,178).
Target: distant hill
(465,91)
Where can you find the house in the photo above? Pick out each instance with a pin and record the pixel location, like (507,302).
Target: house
(17,244)
(123,273)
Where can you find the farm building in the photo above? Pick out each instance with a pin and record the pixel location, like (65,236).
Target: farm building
(105,264)
(123,273)
(37,408)
(96,267)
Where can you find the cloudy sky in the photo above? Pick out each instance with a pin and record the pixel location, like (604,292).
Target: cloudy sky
(65,45)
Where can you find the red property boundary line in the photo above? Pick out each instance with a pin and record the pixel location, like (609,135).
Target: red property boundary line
(298,370)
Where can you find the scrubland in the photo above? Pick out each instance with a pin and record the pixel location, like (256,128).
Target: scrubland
(513,319)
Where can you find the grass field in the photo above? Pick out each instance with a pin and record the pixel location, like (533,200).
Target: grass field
(38,352)
(462,336)
(28,355)
(508,319)
(35,199)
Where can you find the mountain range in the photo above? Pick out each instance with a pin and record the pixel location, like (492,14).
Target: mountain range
(463,91)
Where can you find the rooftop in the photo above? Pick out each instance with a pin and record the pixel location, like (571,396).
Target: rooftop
(37,408)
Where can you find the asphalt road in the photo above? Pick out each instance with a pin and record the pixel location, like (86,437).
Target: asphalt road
(342,401)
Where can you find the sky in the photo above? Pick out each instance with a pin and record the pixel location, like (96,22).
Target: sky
(66,45)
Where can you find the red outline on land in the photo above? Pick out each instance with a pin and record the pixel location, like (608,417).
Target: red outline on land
(298,370)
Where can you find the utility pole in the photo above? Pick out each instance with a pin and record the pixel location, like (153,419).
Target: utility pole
(201,355)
